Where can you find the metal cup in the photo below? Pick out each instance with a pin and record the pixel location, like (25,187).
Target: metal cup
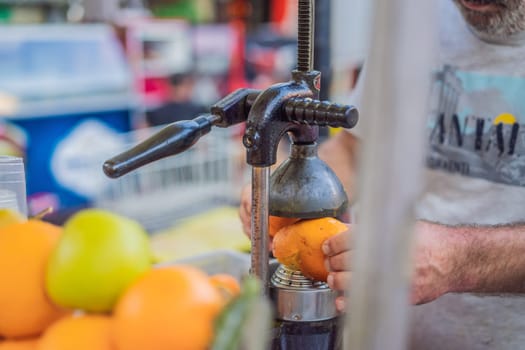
(13,184)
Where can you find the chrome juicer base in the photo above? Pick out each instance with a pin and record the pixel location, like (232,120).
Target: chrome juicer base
(300,299)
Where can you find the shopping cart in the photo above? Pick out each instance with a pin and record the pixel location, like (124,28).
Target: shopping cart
(209,174)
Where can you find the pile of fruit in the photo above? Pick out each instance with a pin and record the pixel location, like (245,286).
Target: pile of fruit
(92,285)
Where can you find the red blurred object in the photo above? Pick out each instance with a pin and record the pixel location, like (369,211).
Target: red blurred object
(279,8)
(237,78)
(239,9)
(156,90)
(283,15)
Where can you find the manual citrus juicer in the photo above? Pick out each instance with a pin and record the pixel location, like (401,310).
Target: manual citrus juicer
(303,186)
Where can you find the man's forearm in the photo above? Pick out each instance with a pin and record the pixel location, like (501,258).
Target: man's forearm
(488,259)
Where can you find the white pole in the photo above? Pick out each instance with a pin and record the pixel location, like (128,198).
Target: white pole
(393,115)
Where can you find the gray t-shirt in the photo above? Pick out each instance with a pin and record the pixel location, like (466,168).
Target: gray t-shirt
(476,175)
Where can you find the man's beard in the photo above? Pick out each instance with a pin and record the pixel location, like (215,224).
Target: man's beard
(508,19)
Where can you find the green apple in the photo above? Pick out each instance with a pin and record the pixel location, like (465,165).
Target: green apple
(98,255)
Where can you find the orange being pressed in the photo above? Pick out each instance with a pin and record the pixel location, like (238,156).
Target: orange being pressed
(298,246)
(227,284)
(85,332)
(275,223)
(25,344)
(167,308)
(25,309)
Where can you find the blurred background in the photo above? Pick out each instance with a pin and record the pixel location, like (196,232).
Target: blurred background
(82,80)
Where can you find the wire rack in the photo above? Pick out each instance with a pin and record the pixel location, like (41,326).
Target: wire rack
(209,174)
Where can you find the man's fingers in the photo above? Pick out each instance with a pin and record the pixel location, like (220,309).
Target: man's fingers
(337,244)
(246,227)
(340,303)
(339,262)
(244,216)
(245,209)
(339,280)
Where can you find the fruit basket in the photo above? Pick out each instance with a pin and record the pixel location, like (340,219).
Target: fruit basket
(207,175)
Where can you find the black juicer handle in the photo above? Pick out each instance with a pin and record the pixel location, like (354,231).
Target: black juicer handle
(322,113)
(173,139)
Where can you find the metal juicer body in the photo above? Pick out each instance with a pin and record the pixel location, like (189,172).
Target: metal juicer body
(303,186)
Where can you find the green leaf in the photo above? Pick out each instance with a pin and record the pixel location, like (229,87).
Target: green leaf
(247,316)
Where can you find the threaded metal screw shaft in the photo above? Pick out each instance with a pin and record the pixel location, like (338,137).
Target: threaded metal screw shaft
(305,35)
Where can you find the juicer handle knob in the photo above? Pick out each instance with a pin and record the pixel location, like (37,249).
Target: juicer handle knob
(322,113)
(173,139)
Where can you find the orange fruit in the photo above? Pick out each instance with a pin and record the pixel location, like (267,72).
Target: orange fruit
(298,246)
(227,285)
(275,223)
(25,309)
(25,344)
(167,308)
(9,216)
(85,332)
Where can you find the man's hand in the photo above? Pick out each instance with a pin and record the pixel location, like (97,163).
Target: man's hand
(434,267)
(245,209)
(471,259)
(338,252)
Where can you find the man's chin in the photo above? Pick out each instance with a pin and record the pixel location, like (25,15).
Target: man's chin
(480,6)
(494,18)
(482,17)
